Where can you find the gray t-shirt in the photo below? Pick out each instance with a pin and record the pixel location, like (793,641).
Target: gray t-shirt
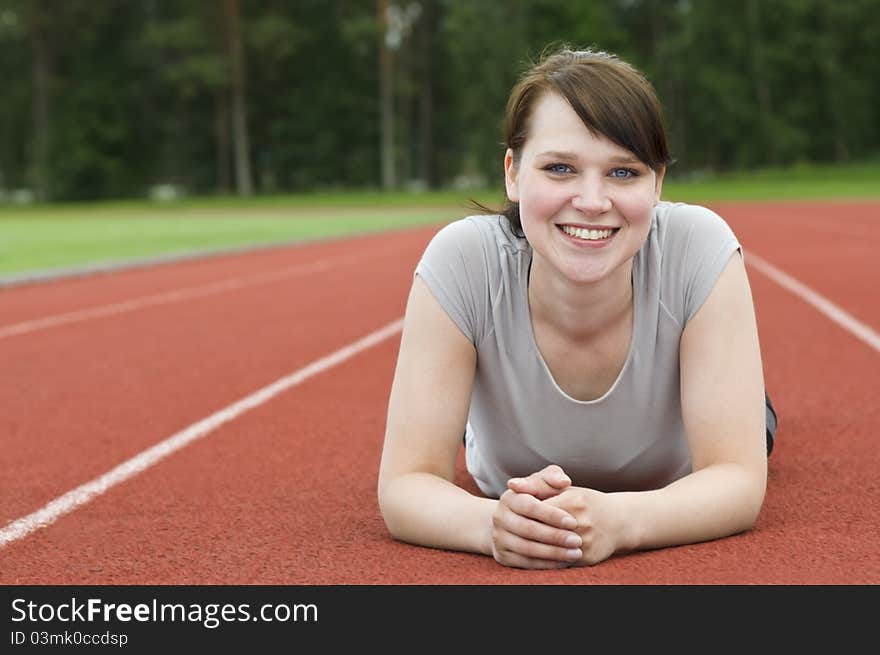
(520,420)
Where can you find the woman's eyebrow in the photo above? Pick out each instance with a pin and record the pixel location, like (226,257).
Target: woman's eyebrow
(558,154)
(624,159)
(562,154)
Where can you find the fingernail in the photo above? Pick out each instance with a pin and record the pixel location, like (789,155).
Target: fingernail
(573,541)
(574,553)
(569,522)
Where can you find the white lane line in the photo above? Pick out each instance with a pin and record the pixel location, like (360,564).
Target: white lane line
(178,295)
(83,494)
(825,306)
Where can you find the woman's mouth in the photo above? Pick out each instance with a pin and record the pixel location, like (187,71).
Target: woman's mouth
(589,235)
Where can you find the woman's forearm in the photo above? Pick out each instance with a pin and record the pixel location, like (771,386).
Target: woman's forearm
(714,502)
(427,510)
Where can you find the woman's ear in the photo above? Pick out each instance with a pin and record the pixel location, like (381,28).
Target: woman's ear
(658,184)
(510,177)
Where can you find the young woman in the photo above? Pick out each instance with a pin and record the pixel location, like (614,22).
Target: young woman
(596,346)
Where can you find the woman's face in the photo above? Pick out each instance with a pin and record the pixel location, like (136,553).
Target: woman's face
(574,186)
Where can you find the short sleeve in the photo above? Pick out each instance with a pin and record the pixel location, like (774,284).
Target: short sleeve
(454,268)
(698,245)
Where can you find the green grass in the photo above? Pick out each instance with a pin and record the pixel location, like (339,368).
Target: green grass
(47,237)
(804,182)
(57,238)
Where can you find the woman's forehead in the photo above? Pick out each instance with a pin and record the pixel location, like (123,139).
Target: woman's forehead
(555,129)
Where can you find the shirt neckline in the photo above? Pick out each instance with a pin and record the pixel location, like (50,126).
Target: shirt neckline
(635,332)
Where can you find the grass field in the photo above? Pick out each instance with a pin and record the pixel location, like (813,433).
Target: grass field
(39,238)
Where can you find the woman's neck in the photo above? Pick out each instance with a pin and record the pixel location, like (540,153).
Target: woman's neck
(580,312)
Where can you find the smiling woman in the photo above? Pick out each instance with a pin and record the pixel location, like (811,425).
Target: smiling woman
(562,194)
(597,347)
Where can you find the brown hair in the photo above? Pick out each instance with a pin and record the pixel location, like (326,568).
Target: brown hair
(611,97)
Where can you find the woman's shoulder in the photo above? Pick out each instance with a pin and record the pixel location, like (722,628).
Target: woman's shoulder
(694,243)
(462,265)
(484,234)
(684,231)
(486,225)
(671,215)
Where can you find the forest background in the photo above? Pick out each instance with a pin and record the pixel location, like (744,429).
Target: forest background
(169,98)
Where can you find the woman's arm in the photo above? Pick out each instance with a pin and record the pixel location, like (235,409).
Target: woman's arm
(427,414)
(722,396)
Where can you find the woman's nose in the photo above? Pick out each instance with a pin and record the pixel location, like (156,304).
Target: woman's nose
(591,197)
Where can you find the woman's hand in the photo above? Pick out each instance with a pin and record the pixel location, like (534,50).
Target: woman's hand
(547,482)
(528,533)
(600,521)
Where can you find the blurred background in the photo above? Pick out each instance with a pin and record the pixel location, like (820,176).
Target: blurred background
(124,124)
(128,98)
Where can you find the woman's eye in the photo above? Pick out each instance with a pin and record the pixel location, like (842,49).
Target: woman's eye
(623,173)
(559,169)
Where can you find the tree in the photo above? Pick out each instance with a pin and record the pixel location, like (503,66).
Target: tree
(386,95)
(38,17)
(241,142)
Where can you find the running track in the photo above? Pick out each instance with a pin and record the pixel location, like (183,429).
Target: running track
(97,371)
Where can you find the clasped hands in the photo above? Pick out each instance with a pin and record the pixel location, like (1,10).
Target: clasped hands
(543,522)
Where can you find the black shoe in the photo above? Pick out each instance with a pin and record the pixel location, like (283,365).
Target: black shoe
(771,424)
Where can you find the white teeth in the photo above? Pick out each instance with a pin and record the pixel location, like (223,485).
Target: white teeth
(590,235)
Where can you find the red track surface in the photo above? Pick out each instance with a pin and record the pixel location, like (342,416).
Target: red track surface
(285,494)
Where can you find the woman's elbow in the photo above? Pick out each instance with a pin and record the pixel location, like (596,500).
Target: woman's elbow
(390,506)
(753,494)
